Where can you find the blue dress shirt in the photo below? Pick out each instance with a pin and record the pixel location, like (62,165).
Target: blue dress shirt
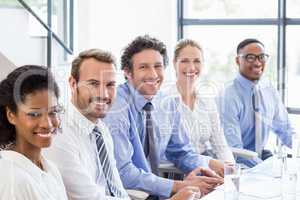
(126,121)
(237,115)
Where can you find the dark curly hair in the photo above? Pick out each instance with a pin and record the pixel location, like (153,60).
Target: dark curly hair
(22,81)
(139,44)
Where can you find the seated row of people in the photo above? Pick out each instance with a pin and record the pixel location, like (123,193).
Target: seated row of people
(107,142)
(30,117)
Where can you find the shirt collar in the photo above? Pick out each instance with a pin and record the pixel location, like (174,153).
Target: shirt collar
(138,99)
(79,121)
(246,83)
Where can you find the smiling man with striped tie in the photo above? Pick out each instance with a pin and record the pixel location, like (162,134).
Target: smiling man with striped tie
(84,150)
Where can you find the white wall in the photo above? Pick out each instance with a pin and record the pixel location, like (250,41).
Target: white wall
(112,24)
(105,24)
(15,42)
(6,66)
(20,47)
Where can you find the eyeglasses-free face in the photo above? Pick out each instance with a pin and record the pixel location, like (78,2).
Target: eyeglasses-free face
(188,65)
(36,120)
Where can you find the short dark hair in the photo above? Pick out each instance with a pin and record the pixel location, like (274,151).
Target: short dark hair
(245,42)
(139,44)
(20,82)
(98,54)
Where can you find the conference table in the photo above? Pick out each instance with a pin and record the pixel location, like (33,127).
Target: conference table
(260,182)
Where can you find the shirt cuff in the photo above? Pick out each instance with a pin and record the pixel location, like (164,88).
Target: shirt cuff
(164,187)
(205,162)
(201,161)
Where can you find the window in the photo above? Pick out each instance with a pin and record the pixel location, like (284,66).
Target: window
(219,25)
(293,8)
(293,66)
(9,3)
(219,43)
(220,9)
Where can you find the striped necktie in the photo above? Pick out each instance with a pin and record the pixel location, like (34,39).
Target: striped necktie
(149,144)
(256,101)
(106,165)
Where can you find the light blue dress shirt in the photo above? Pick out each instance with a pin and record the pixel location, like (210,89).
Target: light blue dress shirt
(126,121)
(237,115)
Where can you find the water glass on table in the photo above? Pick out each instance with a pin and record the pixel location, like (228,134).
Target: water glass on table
(232,173)
(289,180)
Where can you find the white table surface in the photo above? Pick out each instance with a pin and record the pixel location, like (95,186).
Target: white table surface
(258,183)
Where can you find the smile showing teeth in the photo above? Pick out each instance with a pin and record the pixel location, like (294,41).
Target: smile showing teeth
(151,82)
(190,74)
(257,69)
(100,103)
(44,135)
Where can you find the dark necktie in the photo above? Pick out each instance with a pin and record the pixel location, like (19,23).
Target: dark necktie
(256,101)
(149,144)
(106,165)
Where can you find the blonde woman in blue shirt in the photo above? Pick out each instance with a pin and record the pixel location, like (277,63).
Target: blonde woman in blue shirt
(198,109)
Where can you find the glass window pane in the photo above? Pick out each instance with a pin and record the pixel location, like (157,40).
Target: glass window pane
(220,42)
(215,9)
(293,8)
(293,65)
(16,43)
(39,7)
(61,19)
(13,3)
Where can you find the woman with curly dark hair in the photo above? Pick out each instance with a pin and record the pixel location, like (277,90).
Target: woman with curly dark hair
(29,117)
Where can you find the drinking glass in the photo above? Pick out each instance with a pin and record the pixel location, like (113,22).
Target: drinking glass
(232,173)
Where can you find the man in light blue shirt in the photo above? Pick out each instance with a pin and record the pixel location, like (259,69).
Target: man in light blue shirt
(238,104)
(143,62)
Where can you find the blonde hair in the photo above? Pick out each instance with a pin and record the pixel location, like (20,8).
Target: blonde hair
(184,43)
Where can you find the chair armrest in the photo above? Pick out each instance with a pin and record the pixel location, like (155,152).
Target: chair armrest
(168,170)
(247,154)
